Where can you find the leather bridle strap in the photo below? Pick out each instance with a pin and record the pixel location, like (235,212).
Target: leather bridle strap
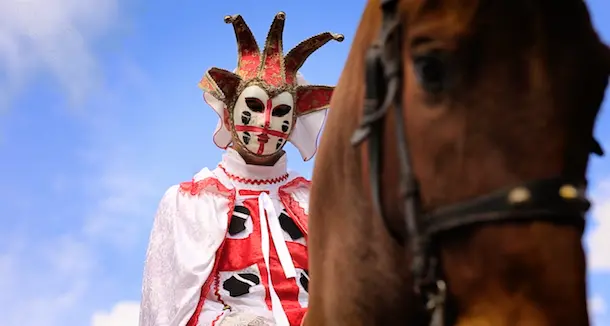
(382,82)
(557,200)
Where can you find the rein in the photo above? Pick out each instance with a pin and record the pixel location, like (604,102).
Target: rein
(557,200)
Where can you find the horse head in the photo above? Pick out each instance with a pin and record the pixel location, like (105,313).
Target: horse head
(497,97)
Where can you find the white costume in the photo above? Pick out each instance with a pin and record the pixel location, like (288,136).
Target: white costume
(230,246)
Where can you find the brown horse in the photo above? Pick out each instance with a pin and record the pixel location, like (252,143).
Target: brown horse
(499,97)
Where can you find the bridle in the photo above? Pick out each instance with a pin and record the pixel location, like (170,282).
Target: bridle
(558,200)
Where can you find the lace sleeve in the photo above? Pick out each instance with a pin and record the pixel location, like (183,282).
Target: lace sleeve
(187,231)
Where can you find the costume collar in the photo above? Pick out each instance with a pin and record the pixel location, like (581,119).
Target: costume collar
(239,172)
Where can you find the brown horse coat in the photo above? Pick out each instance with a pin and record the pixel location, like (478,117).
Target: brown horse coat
(528,77)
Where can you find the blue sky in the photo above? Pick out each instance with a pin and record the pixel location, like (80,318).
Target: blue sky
(100,113)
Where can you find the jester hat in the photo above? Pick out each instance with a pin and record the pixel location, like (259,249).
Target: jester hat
(274,73)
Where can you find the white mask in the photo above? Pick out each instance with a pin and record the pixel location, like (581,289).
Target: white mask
(260,123)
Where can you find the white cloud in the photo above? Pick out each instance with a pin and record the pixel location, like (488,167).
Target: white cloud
(52,36)
(123,200)
(124,313)
(597,306)
(62,277)
(50,280)
(598,240)
(42,281)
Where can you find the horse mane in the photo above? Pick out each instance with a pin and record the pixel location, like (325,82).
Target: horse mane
(606,58)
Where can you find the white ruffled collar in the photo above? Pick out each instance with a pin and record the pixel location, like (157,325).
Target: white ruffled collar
(238,171)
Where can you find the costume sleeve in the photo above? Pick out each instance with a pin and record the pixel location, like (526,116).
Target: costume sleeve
(295,196)
(187,231)
(301,195)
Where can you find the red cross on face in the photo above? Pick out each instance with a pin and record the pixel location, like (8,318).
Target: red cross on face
(263,124)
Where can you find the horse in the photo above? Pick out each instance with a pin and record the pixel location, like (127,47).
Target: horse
(449,186)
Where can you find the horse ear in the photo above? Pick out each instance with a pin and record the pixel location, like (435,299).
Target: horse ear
(311,98)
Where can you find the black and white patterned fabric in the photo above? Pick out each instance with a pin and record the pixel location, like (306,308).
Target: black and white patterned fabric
(240,226)
(243,287)
(240,283)
(291,230)
(303,284)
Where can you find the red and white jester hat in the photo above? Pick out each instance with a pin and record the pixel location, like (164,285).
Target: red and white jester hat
(265,101)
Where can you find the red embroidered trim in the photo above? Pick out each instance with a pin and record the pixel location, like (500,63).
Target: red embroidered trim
(217,290)
(195,188)
(218,318)
(299,181)
(254,181)
(247,192)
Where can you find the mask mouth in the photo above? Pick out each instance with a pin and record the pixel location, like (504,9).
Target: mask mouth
(263,138)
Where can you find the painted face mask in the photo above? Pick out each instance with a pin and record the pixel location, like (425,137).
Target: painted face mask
(263,123)
(265,102)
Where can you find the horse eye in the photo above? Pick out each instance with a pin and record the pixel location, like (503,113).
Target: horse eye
(431,72)
(255,104)
(281,110)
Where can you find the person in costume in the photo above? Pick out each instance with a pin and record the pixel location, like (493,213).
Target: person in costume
(230,246)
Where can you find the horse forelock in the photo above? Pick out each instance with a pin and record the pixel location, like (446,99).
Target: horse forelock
(528,21)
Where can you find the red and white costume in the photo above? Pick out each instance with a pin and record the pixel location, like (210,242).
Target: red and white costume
(232,243)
